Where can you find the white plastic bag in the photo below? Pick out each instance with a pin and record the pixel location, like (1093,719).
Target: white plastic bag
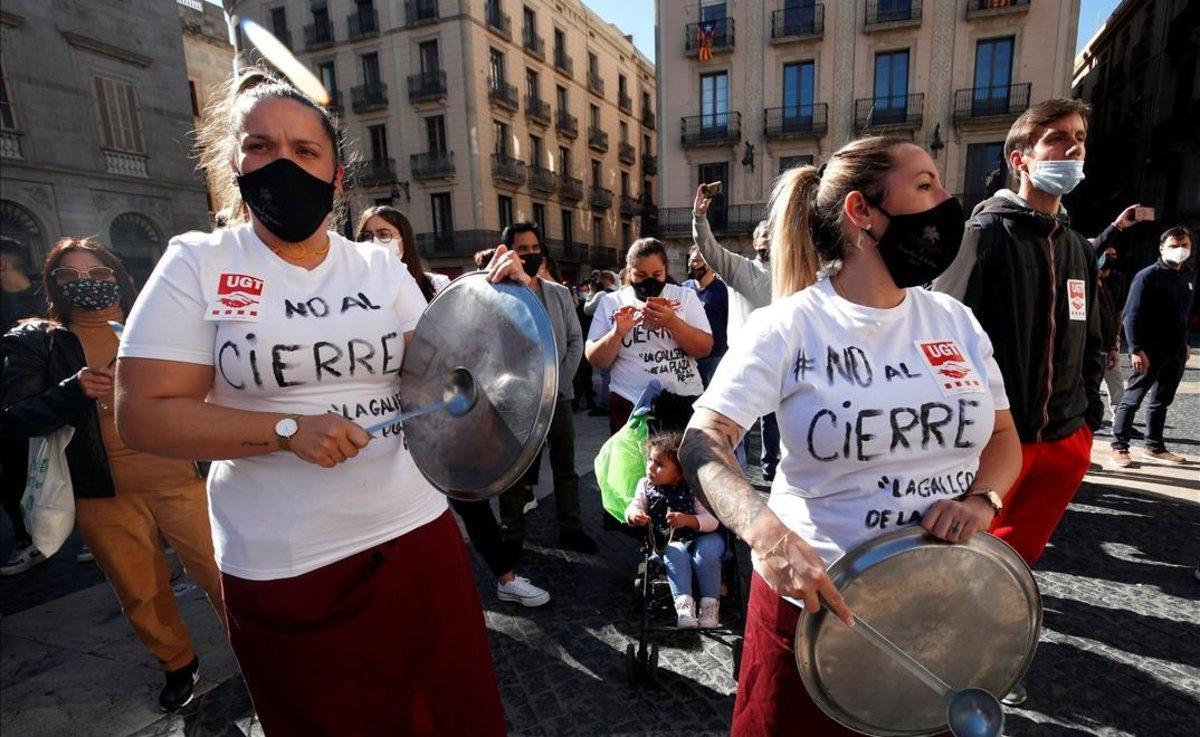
(48,504)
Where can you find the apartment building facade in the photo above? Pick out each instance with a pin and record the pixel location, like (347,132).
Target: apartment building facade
(472,114)
(750,89)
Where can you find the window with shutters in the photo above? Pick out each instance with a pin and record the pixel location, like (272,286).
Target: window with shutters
(120,117)
(8,120)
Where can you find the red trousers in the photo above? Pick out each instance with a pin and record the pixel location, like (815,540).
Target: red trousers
(389,641)
(1050,476)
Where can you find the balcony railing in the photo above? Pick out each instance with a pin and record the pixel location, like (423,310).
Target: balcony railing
(454,243)
(676,222)
(507,169)
(597,139)
(370,96)
(563,62)
(629,206)
(376,172)
(317,35)
(119,162)
(537,110)
(626,153)
(504,95)
(595,83)
(995,102)
(432,165)
(986,8)
(715,35)
(648,119)
(420,12)
(649,164)
(363,23)
(542,179)
(498,22)
(892,14)
(713,129)
(603,256)
(889,112)
(533,44)
(425,86)
(570,189)
(795,22)
(566,124)
(625,102)
(600,198)
(796,121)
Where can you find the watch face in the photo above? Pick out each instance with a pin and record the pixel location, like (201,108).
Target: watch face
(286,427)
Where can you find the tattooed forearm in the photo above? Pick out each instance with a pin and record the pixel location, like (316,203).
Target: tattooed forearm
(714,474)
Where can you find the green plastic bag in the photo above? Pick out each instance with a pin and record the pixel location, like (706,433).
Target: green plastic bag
(620,464)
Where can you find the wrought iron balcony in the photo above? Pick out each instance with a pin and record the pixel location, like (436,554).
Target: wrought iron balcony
(376,172)
(603,256)
(597,139)
(363,23)
(507,169)
(542,179)
(367,97)
(563,62)
(537,110)
(629,206)
(498,23)
(648,119)
(432,165)
(600,198)
(796,22)
(570,189)
(713,129)
(649,164)
(503,95)
(998,102)
(533,44)
(988,8)
(716,34)
(796,121)
(626,153)
(676,222)
(317,35)
(426,86)
(566,124)
(420,12)
(595,83)
(625,102)
(889,112)
(883,14)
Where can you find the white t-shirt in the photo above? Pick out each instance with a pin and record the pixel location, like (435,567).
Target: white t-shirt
(881,412)
(651,354)
(286,339)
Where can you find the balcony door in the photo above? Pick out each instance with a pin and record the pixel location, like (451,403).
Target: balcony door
(798,91)
(429,59)
(891,87)
(718,216)
(799,16)
(370,70)
(435,134)
(985,164)
(714,104)
(993,76)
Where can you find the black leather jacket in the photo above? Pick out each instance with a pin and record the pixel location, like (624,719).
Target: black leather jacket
(41,394)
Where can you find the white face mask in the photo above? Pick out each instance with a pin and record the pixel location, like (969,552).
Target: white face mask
(1057,177)
(1176,255)
(391,244)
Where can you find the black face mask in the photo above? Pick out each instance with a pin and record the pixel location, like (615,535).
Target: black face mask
(531,263)
(288,201)
(698,273)
(647,288)
(764,256)
(919,246)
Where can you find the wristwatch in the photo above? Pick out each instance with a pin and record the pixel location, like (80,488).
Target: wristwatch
(992,497)
(285,429)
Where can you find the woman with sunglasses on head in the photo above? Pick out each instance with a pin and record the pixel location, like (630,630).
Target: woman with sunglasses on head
(58,373)
(388,227)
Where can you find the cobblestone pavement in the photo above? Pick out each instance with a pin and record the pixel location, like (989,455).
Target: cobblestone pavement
(1120,651)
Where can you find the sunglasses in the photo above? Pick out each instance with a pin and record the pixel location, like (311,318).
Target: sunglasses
(66,274)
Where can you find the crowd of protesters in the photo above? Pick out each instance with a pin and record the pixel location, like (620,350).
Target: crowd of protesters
(866,257)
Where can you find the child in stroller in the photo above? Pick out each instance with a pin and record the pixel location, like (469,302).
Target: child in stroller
(681,531)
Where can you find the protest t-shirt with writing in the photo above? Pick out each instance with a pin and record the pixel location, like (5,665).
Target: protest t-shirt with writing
(285,339)
(882,412)
(651,354)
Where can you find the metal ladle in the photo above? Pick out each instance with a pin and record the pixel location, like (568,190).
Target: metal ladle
(971,712)
(458,397)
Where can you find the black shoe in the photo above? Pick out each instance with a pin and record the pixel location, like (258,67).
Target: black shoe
(578,541)
(180,684)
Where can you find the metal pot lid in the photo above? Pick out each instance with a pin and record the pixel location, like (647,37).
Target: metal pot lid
(501,334)
(971,613)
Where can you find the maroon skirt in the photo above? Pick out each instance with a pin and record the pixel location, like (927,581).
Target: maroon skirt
(390,641)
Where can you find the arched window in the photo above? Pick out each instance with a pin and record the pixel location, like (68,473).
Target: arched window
(20,225)
(136,238)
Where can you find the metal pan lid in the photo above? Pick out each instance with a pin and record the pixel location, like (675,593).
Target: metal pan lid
(502,335)
(971,613)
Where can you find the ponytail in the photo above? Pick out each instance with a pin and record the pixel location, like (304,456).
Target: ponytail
(794,258)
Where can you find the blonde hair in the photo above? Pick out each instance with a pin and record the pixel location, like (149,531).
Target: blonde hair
(806,211)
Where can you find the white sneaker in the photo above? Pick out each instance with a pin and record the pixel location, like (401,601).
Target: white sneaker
(84,555)
(21,560)
(685,612)
(521,591)
(710,610)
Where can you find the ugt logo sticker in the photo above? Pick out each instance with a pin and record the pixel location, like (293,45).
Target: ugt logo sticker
(238,296)
(1077,299)
(951,370)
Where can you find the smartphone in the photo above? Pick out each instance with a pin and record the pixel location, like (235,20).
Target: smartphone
(1143,213)
(714,189)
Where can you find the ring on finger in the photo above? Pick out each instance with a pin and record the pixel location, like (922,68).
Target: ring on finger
(954,528)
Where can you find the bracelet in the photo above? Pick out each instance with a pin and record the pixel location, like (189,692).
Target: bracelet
(778,542)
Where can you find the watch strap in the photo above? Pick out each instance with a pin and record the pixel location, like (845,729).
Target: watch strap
(285,441)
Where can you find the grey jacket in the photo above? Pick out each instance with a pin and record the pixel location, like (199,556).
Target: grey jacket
(747,277)
(568,336)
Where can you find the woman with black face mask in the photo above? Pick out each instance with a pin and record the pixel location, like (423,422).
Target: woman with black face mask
(649,330)
(58,373)
(891,408)
(268,346)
